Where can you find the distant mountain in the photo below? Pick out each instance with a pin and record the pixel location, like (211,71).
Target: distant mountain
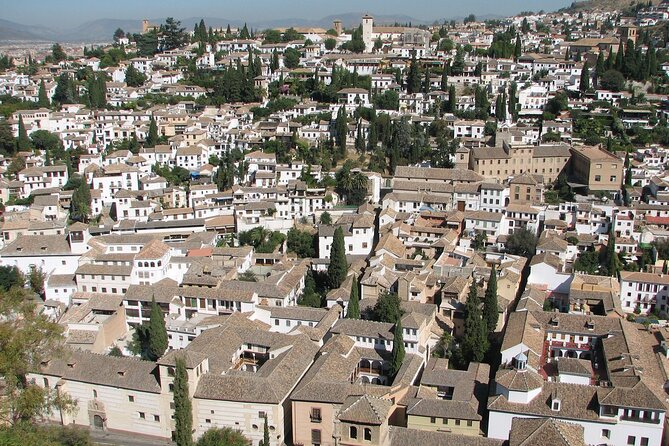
(101,30)
(16,31)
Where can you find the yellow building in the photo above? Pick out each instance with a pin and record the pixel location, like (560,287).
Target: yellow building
(596,168)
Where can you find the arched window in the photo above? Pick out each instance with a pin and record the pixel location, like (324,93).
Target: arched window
(368,434)
(153,264)
(352,432)
(159,263)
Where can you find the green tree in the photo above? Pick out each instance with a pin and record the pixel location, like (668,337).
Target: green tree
(388,308)
(353,311)
(183,410)
(265,435)
(36,279)
(490,304)
(27,338)
(612,80)
(587,262)
(522,242)
(518,49)
(326,218)
(341,131)
(7,140)
(291,58)
(338,266)
(118,35)
(585,78)
(611,259)
(398,352)
(330,43)
(10,276)
(157,334)
(42,98)
(152,136)
(80,204)
(223,437)
(173,35)
(413,77)
(58,53)
(133,77)
(23,142)
(475,339)
(452,100)
(66,90)
(302,243)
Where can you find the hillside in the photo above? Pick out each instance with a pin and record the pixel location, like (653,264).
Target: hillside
(602,5)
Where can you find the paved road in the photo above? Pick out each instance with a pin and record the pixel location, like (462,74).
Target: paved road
(104,438)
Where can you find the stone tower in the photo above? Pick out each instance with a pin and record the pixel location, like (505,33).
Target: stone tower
(338,27)
(367,28)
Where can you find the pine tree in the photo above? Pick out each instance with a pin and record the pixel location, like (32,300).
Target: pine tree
(42,98)
(490,305)
(183,410)
(475,340)
(338,266)
(353,311)
(152,136)
(398,352)
(23,143)
(157,332)
(585,78)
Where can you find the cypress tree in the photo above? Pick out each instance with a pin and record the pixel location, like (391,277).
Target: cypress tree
(42,98)
(475,340)
(600,68)
(612,261)
(490,305)
(183,411)
(338,266)
(23,140)
(620,57)
(398,348)
(518,50)
(413,78)
(373,135)
(426,82)
(157,332)
(610,60)
(354,301)
(451,99)
(444,79)
(265,433)
(152,136)
(585,78)
(341,130)
(274,63)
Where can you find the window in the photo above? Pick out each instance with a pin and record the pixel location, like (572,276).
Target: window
(457,422)
(156,418)
(613,178)
(368,434)
(606,433)
(142,415)
(631,440)
(644,441)
(316,437)
(353,432)
(316,415)
(131,399)
(95,393)
(598,178)
(433,420)
(262,415)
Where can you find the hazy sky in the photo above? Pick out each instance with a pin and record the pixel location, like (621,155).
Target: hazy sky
(64,13)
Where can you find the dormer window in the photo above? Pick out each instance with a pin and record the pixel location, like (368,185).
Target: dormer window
(556,404)
(590,324)
(554,321)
